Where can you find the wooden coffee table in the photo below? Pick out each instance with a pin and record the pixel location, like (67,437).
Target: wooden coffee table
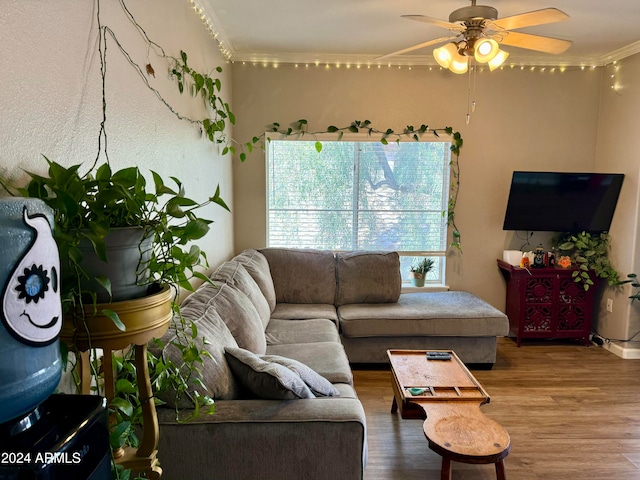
(449,396)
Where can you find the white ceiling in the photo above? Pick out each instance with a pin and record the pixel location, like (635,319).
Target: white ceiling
(358,31)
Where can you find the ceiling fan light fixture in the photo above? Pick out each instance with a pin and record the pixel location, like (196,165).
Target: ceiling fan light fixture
(498,60)
(444,55)
(485,50)
(459,64)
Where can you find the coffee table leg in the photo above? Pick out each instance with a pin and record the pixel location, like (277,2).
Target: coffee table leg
(500,473)
(445,473)
(394,405)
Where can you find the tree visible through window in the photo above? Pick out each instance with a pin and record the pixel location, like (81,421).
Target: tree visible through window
(360,196)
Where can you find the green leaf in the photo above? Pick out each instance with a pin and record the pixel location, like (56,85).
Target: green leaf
(114,318)
(190,354)
(195,229)
(122,405)
(217,199)
(199,82)
(118,436)
(318,146)
(125,386)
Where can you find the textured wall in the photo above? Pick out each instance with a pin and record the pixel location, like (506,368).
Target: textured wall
(524,120)
(618,150)
(51,96)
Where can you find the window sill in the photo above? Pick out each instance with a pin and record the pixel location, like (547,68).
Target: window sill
(426,288)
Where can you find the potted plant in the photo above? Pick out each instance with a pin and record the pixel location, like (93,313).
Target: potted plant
(419,270)
(589,252)
(88,209)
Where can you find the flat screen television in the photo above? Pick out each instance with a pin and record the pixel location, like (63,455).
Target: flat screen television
(562,202)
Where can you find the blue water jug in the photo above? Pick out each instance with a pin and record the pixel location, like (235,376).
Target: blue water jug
(30,307)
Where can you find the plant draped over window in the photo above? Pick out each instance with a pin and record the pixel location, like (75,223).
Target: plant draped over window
(300,128)
(214,127)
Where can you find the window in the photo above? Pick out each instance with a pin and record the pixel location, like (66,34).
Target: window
(360,195)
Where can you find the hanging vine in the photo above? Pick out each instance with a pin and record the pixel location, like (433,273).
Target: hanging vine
(300,128)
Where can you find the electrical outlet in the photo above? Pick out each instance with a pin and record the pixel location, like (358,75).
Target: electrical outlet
(609,305)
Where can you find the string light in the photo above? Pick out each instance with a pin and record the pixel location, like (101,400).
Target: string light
(615,85)
(430,68)
(226,53)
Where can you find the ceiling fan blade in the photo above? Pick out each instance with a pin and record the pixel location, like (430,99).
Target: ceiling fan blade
(529,19)
(434,21)
(535,42)
(416,47)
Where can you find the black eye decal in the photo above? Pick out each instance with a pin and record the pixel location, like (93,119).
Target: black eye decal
(32,284)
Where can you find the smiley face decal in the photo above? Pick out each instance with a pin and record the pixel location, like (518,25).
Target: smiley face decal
(31,306)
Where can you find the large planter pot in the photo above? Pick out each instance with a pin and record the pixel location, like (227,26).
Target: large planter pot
(417,279)
(144,319)
(127,254)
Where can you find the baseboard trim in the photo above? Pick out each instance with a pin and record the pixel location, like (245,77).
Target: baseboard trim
(621,351)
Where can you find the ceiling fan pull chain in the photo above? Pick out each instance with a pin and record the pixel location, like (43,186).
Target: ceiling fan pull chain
(471,91)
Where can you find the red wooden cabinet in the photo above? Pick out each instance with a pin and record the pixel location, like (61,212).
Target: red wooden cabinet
(547,303)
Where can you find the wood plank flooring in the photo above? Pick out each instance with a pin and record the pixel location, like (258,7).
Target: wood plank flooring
(572,412)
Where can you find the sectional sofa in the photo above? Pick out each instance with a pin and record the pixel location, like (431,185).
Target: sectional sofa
(277,323)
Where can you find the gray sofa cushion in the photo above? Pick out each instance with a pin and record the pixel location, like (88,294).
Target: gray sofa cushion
(266,379)
(216,375)
(301,331)
(368,277)
(326,358)
(424,314)
(235,274)
(320,386)
(300,311)
(302,276)
(237,311)
(258,267)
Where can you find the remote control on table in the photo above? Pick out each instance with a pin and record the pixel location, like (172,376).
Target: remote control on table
(438,356)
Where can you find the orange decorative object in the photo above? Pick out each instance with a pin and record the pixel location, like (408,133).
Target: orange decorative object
(564,262)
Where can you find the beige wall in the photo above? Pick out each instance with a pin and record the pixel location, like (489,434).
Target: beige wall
(618,150)
(51,99)
(529,120)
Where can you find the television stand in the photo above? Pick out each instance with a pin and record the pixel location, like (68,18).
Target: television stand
(547,303)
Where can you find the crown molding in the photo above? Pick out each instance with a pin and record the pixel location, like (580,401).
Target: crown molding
(205,10)
(620,53)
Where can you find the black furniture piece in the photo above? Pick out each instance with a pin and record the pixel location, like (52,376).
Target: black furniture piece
(65,437)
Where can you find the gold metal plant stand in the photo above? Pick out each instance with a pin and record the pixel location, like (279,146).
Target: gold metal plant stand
(145,318)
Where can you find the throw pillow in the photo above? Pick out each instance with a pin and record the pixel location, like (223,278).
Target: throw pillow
(320,386)
(368,277)
(264,379)
(213,336)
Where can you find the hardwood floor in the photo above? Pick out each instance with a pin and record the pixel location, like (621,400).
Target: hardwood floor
(572,412)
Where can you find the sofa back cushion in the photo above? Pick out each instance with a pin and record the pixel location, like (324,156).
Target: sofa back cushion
(237,312)
(302,275)
(368,277)
(217,377)
(256,264)
(236,275)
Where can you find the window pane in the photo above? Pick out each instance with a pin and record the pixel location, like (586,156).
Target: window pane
(360,195)
(325,230)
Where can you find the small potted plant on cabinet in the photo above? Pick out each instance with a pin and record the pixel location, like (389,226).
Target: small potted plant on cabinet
(419,270)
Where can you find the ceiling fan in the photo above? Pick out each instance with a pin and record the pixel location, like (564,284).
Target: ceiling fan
(478,33)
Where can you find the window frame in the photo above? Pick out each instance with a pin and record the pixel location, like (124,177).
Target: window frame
(432,282)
